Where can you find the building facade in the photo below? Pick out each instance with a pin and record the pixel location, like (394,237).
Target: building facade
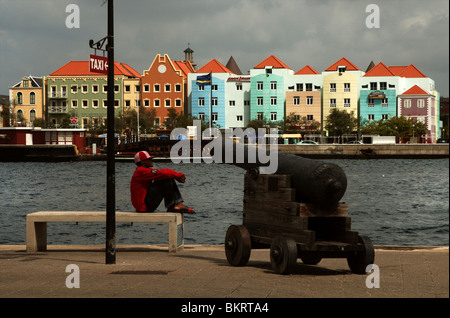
(27,101)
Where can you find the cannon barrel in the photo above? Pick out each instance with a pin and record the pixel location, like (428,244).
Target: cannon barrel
(315,181)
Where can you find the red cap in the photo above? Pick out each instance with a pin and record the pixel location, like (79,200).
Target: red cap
(141,156)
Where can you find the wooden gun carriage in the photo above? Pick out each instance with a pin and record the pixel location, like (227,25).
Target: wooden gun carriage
(276,216)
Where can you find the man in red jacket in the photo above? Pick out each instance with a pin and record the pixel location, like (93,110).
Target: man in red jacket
(150,186)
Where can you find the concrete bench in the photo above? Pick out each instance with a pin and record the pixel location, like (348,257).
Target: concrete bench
(37,225)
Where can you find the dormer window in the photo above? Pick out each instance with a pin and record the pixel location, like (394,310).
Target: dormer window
(341,69)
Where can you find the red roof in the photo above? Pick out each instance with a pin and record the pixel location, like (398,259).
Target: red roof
(343,62)
(406,71)
(81,68)
(415,90)
(213,66)
(379,70)
(184,66)
(272,61)
(307,70)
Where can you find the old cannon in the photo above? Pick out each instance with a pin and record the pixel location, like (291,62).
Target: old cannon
(297,214)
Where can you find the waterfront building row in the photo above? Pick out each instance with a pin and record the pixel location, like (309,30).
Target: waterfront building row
(271,90)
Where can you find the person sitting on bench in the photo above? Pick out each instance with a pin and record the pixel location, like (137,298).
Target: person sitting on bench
(150,186)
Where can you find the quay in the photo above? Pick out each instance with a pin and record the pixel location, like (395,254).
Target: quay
(199,272)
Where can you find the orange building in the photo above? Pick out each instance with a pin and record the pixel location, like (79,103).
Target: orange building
(164,87)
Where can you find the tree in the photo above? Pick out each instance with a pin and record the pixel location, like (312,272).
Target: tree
(340,122)
(398,126)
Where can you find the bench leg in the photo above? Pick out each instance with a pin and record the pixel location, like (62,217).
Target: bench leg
(36,236)
(176,235)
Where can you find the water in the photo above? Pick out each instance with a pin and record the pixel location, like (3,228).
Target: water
(394,202)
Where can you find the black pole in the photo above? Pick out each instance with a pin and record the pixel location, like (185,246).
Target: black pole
(110,169)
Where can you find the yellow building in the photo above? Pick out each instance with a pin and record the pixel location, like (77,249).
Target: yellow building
(340,88)
(27,101)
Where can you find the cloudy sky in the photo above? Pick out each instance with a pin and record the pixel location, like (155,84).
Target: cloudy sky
(34,39)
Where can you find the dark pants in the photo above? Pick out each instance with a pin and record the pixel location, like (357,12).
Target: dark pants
(162,189)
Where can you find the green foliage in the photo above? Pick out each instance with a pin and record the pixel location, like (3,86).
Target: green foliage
(341,122)
(395,126)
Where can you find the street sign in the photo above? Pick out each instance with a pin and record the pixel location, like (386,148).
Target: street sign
(98,64)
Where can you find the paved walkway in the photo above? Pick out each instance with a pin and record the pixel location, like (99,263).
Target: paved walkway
(203,272)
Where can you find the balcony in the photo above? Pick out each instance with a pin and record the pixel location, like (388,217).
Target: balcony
(57,109)
(55,95)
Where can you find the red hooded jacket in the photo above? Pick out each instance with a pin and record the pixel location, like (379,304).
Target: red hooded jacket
(141,180)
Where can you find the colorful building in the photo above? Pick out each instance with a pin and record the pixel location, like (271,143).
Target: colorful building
(164,86)
(268,89)
(378,95)
(304,94)
(421,106)
(74,90)
(208,101)
(27,100)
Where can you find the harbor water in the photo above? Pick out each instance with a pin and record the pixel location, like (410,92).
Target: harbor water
(393,202)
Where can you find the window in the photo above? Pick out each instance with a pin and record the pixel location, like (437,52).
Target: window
(116,88)
(32,115)
(127,103)
(214,101)
(259,101)
(84,103)
(384,102)
(333,102)
(167,103)
(299,87)
(385,116)
(32,98)
(273,85)
(273,116)
(296,100)
(137,88)
(214,117)
(177,88)
(260,116)
(420,103)
(371,102)
(95,89)
(63,91)
(201,87)
(346,102)
(177,102)
(232,103)
(371,117)
(214,87)
(309,100)
(157,121)
(20,98)
(239,118)
(407,103)
(383,85)
(310,117)
(147,88)
(95,103)
(246,103)
(308,87)
(201,101)
(156,88)
(74,103)
(373,86)
(147,102)
(116,103)
(167,88)
(346,87)
(74,89)
(239,87)
(127,89)
(260,86)
(201,116)
(105,88)
(332,87)
(156,103)
(84,89)
(273,101)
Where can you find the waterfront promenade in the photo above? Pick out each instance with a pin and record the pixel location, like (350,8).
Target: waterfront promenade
(203,272)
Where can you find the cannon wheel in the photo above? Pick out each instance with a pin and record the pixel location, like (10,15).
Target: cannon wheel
(283,254)
(362,258)
(237,245)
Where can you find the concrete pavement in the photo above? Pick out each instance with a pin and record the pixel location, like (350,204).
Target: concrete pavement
(203,272)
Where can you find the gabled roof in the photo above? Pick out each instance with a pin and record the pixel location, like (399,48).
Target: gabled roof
(406,71)
(379,70)
(415,90)
(184,66)
(343,62)
(307,70)
(34,81)
(213,66)
(272,61)
(232,66)
(81,68)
